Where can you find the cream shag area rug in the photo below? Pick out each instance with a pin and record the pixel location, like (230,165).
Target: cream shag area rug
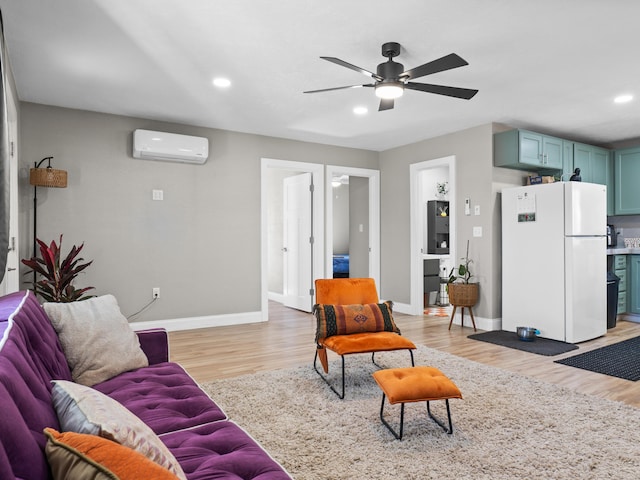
(508,426)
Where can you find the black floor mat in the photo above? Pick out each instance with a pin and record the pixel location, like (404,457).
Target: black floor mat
(540,346)
(620,360)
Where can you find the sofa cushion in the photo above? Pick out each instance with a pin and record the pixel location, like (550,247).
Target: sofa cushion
(224,451)
(77,455)
(163,396)
(348,319)
(82,409)
(96,339)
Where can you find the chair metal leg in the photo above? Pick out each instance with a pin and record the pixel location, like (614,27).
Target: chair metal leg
(373,359)
(442,425)
(326,380)
(398,436)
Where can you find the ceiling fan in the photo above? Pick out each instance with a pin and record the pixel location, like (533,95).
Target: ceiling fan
(391,78)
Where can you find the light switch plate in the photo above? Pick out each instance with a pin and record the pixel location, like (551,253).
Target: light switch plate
(476,210)
(477,231)
(157,194)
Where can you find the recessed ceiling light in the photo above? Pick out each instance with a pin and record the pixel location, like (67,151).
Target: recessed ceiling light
(221,82)
(623,98)
(360,110)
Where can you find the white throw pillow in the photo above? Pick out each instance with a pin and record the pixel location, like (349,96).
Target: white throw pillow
(96,339)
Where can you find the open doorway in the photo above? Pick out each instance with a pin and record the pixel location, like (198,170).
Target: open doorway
(306,262)
(432,184)
(353,222)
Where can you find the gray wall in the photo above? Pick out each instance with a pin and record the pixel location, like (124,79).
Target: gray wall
(475,177)
(201,245)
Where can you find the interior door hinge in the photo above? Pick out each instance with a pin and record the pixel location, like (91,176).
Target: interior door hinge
(311,240)
(312,292)
(311,188)
(12,150)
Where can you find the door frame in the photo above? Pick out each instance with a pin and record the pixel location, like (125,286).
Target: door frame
(416,170)
(317,210)
(374,216)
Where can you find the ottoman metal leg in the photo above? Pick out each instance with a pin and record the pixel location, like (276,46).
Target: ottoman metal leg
(450,431)
(398,436)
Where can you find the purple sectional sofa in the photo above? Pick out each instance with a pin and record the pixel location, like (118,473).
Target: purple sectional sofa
(196,430)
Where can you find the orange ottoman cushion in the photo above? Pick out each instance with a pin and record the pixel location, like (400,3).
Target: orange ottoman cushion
(415,384)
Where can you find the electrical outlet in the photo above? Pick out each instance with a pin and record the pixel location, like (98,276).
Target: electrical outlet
(156,292)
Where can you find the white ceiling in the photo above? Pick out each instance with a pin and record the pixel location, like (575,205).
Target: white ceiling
(548,65)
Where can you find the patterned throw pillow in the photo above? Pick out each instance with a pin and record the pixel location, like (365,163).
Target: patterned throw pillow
(78,455)
(82,409)
(348,319)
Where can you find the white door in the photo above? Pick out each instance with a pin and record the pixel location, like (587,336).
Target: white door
(298,242)
(11,281)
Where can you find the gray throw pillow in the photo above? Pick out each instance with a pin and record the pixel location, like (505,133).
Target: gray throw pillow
(96,339)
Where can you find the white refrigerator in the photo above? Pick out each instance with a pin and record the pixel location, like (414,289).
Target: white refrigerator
(554,261)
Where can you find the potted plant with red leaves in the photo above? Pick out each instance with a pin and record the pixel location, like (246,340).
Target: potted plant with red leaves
(57,275)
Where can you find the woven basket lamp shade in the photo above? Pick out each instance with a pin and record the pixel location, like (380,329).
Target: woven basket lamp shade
(48,177)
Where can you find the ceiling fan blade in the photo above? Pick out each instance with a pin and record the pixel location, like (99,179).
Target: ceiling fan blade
(444,63)
(342,63)
(465,93)
(386,104)
(339,88)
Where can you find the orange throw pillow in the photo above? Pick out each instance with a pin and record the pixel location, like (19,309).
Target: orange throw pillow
(348,319)
(79,455)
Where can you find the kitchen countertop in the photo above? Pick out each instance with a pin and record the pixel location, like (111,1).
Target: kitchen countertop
(623,251)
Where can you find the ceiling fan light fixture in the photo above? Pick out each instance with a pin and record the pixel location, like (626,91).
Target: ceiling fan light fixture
(389,90)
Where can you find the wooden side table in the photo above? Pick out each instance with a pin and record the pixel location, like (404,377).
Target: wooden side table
(463,295)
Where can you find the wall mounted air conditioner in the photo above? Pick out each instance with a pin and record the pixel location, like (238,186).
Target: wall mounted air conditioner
(170,147)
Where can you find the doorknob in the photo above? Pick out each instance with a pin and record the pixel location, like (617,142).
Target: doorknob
(11,269)
(284,249)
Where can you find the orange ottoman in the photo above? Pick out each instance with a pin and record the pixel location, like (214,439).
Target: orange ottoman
(415,384)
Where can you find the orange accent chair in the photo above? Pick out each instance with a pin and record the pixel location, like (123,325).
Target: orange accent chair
(354,293)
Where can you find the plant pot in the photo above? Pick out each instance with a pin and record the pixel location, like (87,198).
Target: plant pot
(463,294)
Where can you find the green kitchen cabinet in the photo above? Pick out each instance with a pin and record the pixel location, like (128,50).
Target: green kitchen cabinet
(627,173)
(524,150)
(633,284)
(593,163)
(596,167)
(620,270)
(567,159)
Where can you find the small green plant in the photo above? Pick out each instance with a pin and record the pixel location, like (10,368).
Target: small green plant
(57,276)
(463,273)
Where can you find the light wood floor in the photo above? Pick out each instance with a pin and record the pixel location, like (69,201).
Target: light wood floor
(286,340)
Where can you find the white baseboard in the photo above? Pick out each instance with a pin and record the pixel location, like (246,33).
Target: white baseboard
(276,297)
(402,308)
(191,323)
(485,324)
